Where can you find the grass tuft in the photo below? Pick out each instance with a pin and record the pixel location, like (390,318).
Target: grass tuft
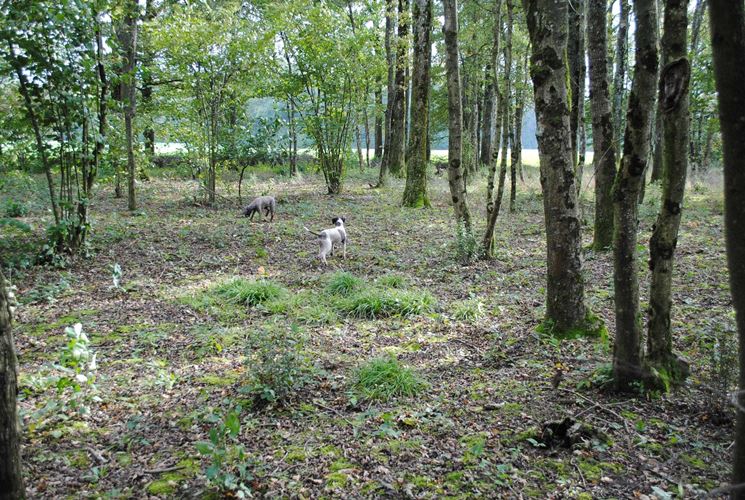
(384,378)
(468,310)
(374,303)
(251,293)
(342,283)
(393,281)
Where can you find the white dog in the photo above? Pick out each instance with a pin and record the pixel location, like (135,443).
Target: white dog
(328,237)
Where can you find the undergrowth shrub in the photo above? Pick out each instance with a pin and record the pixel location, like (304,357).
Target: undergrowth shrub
(386,377)
(73,377)
(374,303)
(466,247)
(230,467)
(277,364)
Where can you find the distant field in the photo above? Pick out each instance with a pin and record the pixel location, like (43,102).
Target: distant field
(530,156)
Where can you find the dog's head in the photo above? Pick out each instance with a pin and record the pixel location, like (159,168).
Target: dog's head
(338,221)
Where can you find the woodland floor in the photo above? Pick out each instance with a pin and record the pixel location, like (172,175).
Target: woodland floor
(166,361)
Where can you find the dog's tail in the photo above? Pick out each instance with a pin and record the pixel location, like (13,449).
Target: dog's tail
(312,232)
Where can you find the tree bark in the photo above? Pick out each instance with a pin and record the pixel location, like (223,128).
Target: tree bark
(627,362)
(390,56)
(378,154)
(397,155)
(727,21)
(11,470)
(673,104)
(497,111)
(415,192)
(604,145)
(455,116)
(619,77)
(547,25)
(487,118)
(576,56)
(128,43)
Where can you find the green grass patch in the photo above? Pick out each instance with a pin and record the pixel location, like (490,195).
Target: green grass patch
(249,292)
(386,377)
(374,303)
(393,281)
(342,283)
(468,310)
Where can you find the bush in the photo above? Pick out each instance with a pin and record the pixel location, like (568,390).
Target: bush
(374,303)
(342,283)
(277,365)
(466,246)
(15,209)
(251,293)
(384,378)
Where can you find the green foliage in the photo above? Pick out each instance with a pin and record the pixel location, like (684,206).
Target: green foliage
(385,378)
(230,466)
(251,293)
(373,303)
(342,283)
(15,208)
(277,364)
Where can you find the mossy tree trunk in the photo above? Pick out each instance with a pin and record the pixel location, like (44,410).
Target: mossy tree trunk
(576,57)
(547,25)
(627,355)
(602,123)
(492,209)
(396,157)
(497,110)
(673,106)
(727,20)
(390,57)
(415,192)
(11,476)
(128,45)
(455,116)
(619,76)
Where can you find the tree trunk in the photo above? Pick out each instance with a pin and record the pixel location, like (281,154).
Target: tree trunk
(657,144)
(497,116)
(397,158)
(455,116)
(147,85)
(547,25)
(576,56)
(11,470)
(415,193)
(627,363)
(128,43)
(41,145)
(603,144)
(378,154)
(390,57)
(487,118)
(517,146)
(619,77)
(727,21)
(673,104)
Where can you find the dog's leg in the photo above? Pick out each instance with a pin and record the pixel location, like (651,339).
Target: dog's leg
(344,249)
